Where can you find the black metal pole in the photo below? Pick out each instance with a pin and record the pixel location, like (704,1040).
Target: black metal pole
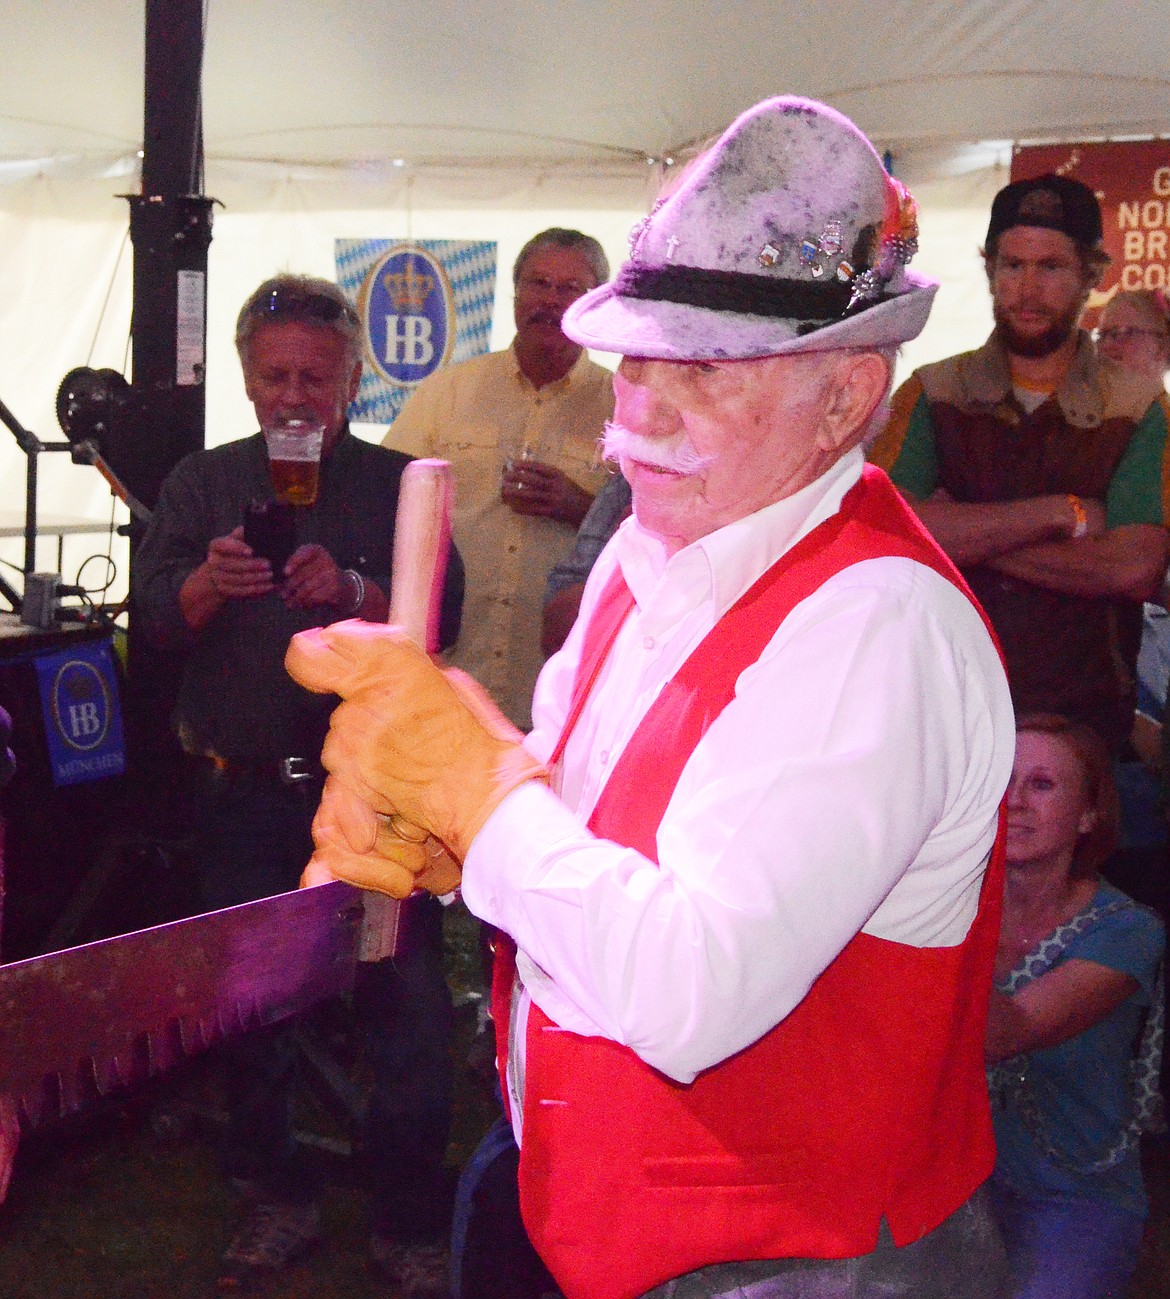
(170,228)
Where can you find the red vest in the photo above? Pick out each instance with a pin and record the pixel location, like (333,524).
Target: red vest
(867,1101)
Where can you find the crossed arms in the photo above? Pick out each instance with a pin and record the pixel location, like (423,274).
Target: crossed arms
(1114,548)
(1033,540)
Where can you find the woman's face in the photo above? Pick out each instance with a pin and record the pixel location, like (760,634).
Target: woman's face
(1047,810)
(1128,336)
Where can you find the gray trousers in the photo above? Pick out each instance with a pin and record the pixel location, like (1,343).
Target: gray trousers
(962,1258)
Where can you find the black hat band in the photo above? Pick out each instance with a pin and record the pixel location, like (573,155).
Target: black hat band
(740,292)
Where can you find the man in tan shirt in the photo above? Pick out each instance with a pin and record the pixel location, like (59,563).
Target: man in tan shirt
(520,428)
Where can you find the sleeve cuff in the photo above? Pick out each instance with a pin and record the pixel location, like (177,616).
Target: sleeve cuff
(508,852)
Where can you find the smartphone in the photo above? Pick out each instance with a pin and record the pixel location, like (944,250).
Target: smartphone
(270,529)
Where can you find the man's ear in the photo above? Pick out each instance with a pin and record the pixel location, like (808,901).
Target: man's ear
(859,382)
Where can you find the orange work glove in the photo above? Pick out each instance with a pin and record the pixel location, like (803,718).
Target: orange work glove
(375,852)
(410,739)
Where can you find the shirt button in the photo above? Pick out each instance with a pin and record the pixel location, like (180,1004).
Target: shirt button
(648,642)
(604,757)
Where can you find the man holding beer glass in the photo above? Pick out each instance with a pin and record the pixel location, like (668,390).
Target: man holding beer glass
(251,542)
(300,373)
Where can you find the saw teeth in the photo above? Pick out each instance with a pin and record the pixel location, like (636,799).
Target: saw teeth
(126,1020)
(246,1016)
(191,1036)
(69,1091)
(121,1067)
(160,1055)
(106,1076)
(32,1105)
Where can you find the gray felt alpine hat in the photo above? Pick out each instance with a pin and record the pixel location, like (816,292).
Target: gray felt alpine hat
(787,236)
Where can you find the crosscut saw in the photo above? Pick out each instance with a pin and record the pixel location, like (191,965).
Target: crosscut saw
(79,1023)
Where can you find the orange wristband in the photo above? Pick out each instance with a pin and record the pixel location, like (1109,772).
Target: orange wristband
(1080,518)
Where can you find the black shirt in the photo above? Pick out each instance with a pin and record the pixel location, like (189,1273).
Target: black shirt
(235,698)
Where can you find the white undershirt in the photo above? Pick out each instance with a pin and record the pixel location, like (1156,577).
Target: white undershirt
(852,784)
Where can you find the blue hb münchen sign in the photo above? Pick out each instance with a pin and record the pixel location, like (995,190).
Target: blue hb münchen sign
(83,722)
(408,309)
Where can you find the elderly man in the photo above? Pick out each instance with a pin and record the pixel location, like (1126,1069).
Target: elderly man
(520,430)
(744,854)
(255,739)
(1039,466)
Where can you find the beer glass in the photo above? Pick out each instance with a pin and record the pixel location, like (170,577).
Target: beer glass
(294,460)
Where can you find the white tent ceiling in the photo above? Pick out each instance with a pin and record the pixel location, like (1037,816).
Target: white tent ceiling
(564,82)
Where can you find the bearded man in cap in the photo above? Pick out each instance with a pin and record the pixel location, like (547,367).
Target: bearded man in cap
(1039,466)
(748,855)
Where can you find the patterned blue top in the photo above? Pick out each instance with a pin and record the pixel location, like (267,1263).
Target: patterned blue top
(1082,1087)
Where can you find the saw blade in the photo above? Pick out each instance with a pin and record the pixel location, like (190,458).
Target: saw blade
(76,1024)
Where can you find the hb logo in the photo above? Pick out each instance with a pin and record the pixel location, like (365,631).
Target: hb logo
(84,720)
(81,704)
(408,341)
(408,310)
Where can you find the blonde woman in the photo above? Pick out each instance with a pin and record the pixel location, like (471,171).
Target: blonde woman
(1076,989)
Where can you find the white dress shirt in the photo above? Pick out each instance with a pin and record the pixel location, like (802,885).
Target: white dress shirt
(852,784)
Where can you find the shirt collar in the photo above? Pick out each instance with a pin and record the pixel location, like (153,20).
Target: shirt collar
(721,566)
(988,381)
(342,447)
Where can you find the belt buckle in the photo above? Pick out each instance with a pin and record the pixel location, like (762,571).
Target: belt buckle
(295,771)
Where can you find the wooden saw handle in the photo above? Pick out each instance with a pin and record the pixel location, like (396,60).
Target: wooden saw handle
(422,542)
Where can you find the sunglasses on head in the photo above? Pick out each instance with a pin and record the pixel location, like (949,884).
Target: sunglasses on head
(295,303)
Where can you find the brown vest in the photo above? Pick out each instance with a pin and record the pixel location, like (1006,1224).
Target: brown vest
(1067,654)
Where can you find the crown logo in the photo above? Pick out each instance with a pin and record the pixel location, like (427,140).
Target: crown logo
(408,289)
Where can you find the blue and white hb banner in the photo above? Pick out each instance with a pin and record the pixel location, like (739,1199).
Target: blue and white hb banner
(83,720)
(423,305)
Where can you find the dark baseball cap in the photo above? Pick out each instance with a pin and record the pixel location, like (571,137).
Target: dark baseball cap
(1051,202)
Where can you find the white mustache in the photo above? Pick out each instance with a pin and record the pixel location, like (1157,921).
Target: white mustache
(676,454)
